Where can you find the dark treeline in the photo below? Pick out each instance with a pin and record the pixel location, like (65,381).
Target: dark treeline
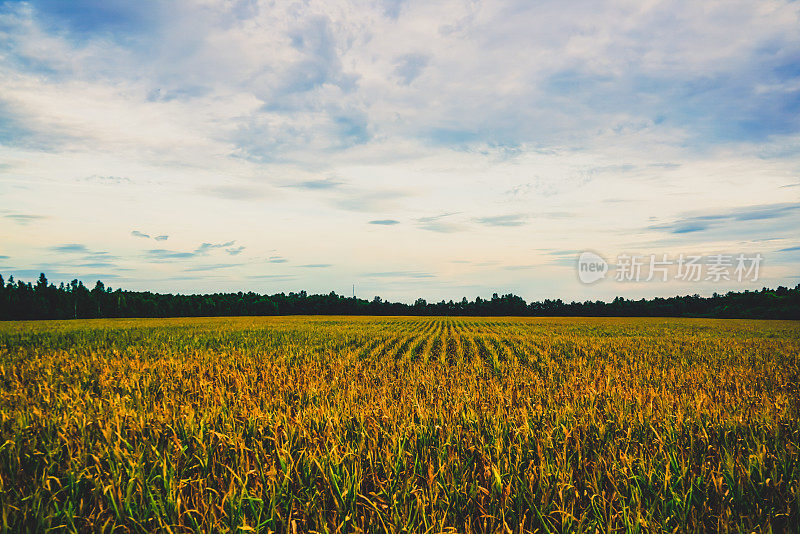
(43,300)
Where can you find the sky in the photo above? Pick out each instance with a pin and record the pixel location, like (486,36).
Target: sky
(407,148)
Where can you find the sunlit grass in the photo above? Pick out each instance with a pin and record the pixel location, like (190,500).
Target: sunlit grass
(335,424)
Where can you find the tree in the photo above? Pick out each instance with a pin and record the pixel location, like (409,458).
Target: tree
(97,294)
(21,300)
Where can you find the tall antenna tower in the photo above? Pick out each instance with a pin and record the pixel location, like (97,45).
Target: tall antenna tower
(354,291)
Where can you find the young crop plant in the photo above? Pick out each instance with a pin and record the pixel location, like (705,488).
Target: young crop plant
(400,424)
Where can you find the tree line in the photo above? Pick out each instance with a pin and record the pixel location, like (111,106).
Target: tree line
(44,300)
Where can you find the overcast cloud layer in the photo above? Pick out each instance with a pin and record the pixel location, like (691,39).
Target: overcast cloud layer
(426,149)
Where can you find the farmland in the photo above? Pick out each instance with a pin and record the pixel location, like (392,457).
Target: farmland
(401,424)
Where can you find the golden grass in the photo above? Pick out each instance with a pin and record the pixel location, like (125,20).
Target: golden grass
(335,424)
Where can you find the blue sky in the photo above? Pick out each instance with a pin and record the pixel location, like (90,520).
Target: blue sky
(413,149)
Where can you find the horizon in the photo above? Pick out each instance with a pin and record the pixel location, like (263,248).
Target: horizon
(65,285)
(415,151)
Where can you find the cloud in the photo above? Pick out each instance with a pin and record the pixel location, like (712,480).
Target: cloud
(108,180)
(23,219)
(351,128)
(316,265)
(666,165)
(322,184)
(755,213)
(97,265)
(70,248)
(20,130)
(318,62)
(441,227)
(137,233)
(410,66)
(275,277)
(729,218)
(563,257)
(687,227)
(277,259)
(211,267)
(204,248)
(161,254)
(328,81)
(384,222)
(234,251)
(435,224)
(105,18)
(399,274)
(432,218)
(502,220)
(392,8)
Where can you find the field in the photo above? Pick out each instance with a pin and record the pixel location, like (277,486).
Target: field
(337,424)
